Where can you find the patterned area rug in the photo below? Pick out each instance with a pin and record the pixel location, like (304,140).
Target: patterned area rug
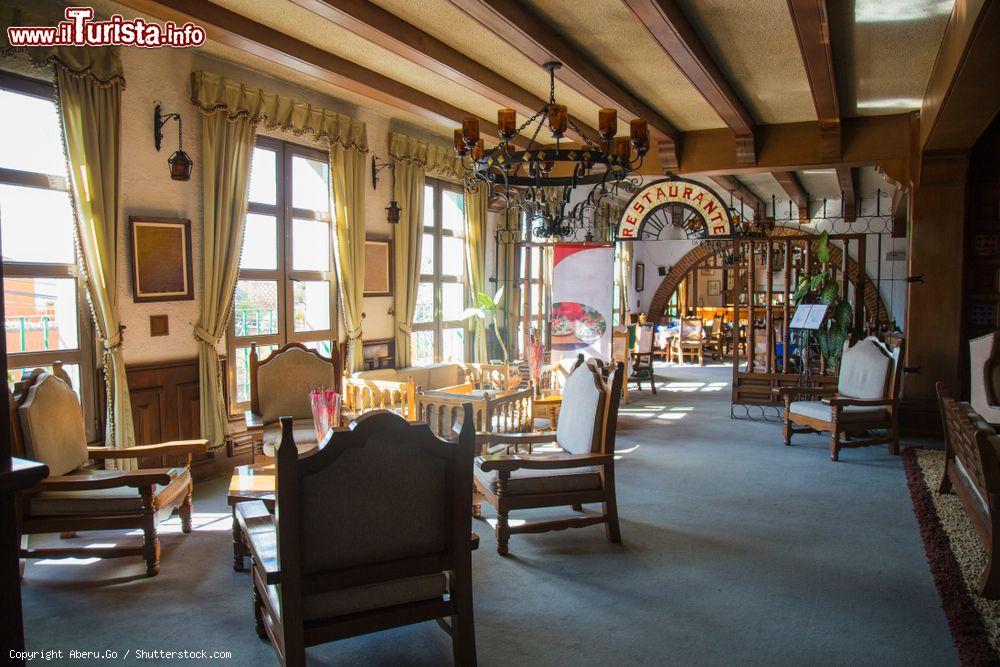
(956,558)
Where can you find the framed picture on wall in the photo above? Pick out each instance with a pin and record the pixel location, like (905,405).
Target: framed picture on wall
(714,287)
(161,259)
(640,276)
(378,267)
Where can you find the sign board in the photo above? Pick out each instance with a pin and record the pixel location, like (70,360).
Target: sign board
(808,316)
(716,222)
(582,280)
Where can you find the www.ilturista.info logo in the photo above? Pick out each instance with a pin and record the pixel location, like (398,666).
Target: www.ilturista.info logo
(79,29)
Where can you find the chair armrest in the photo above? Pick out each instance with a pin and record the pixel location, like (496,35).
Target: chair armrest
(539,437)
(503,463)
(134,478)
(253,421)
(162,449)
(841,401)
(814,391)
(260,535)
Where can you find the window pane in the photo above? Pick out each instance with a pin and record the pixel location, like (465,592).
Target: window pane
(452,256)
(452,301)
(422,348)
(18,374)
(424,311)
(312,305)
(243,369)
(453,345)
(30,138)
(37,225)
(324,347)
(255,311)
(310,245)
(525,259)
(264,176)
(452,215)
(427,254)
(428,206)
(260,242)
(310,184)
(40,314)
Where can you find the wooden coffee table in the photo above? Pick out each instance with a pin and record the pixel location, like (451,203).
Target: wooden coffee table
(256,482)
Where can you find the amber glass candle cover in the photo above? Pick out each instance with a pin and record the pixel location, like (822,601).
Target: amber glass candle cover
(470,131)
(640,132)
(622,150)
(507,122)
(558,119)
(607,122)
(460,147)
(479,150)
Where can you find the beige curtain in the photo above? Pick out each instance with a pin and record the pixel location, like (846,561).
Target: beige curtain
(347,181)
(509,272)
(476,207)
(624,280)
(407,235)
(90,110)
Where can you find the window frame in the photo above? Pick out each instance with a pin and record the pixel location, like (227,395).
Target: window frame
(84,355)
(284,273)
(527,319)
(437,230)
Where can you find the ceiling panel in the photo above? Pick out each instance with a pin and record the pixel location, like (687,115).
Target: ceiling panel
(884,51)
(610,34)
(754,44)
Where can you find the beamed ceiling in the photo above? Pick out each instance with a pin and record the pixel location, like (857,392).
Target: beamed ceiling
(729,88)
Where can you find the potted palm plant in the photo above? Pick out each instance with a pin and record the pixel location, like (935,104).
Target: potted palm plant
(486,311)
(820,286)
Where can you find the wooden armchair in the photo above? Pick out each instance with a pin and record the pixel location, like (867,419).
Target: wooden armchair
(690,339)
(984,362)
(348,552)
(581,471)
(47,425)
(972,470)
(715,338)
(642,358)
(280,386)
(866,398)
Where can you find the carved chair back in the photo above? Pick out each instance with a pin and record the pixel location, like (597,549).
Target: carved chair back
(691,330)
(280,383)
(968,437)
(582,414)
(869,370)
(644,342)
(48,421)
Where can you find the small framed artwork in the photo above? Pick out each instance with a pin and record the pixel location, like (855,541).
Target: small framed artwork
(378,267)
(640,276)
(714,287)
(161,259)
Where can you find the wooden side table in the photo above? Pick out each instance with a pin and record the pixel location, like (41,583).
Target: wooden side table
(547,407)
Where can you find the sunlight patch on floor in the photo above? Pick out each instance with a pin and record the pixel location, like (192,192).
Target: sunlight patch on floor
(75,561)
(200,522)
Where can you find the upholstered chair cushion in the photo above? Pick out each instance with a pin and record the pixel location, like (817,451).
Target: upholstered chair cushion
(303,431)
(117,500)
(284,383)
(823,412)
(645,344)
(544,481)
(444,375)
(581,414)
(373,596)
(385,374)
(864,370)
(52,425)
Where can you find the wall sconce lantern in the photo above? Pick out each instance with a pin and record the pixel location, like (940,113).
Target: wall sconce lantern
(180,162)
(392,210)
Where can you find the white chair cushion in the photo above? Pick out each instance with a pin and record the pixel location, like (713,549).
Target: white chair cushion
(52,425)
(419,375)
(370,597)
(118,500)
(580,413)
(864,370)
(386,374)
(544,481)
(303,431)
(823,412)
(444,375)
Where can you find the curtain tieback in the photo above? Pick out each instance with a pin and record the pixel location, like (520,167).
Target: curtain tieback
(112,343)
(404,329)
(354,334)
(205,336)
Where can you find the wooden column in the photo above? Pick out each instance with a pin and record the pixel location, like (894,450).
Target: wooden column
(751,283)
(785,334)
(769,287)
(859,288)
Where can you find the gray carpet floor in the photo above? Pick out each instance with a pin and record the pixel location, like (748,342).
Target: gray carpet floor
(736,550)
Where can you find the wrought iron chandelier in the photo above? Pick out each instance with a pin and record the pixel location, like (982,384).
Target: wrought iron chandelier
(520,178)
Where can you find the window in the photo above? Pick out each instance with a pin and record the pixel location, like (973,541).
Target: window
(46,317)
(534,296)
(286,290)
(438,330)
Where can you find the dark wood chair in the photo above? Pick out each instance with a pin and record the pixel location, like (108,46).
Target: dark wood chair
(47,425)
(642,358)
(581,471)
(371,531)
(714,338)
(972,470)
(280,386)
(866,399)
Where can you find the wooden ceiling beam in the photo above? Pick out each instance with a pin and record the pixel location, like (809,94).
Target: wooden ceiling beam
(812,28)
(515,23)
(790,183)
(234,30)
(665,21)
(392,33)
(739,191)
(847,177)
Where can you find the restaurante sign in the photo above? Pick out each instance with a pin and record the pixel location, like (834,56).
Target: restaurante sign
(713,219)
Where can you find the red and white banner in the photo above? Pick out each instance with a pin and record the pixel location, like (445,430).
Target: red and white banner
(582,286)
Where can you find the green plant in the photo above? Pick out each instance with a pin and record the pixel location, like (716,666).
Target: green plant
(486,311)
(821,287)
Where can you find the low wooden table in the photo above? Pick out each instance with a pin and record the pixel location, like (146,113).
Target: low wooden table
(547,407)
(256,482)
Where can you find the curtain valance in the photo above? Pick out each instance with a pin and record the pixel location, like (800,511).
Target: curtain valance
(436,160)
(214,94)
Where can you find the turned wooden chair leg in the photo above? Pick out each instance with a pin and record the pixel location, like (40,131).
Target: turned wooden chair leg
(258,613)
(788,430)
(835,446)
(185,511)
(612,529)
(150,540)
(503,532)
(894,439)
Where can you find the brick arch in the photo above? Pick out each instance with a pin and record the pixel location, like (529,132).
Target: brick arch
(699,254)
